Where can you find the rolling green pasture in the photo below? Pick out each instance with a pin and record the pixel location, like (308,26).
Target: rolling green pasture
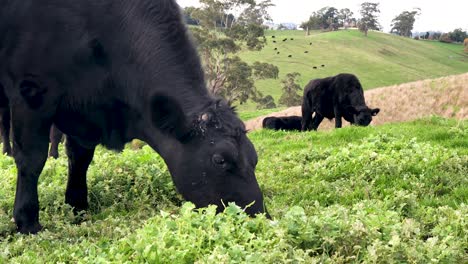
(378,60)
(396,193)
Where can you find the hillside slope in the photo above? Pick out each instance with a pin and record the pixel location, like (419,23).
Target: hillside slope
(378,60)
(447,96)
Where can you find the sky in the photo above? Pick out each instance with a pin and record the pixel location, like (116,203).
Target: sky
(435,15)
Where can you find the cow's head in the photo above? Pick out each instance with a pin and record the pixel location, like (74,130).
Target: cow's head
(363,115)
(211,160)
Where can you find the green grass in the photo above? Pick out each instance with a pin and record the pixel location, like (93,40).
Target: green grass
(246,115)
(378,60)
(395,193)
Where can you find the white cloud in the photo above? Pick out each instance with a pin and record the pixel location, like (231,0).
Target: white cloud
(435,15)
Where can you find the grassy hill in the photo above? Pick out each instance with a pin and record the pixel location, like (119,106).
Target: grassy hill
(378,60)
(389,194)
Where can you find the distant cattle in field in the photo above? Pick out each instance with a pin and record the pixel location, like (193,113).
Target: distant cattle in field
(282,123)
(278,52)
(323,65)
(335,97)
(285,39)
(315,67)
(272,36)
(274,41)
(289,56)
(275,49)
(310,43)
(292,39)
(306,51)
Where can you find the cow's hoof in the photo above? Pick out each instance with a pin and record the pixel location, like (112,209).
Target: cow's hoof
(78,203)
(29,229)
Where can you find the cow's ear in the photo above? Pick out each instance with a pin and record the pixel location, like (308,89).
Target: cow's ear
(168,116)
(375,111)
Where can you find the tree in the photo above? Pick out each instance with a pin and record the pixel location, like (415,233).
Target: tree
(445,38)
(239,84)
(314,22)
(265,102)
(282,27)
(368,19)
(436,35)
(325,18)
(404,22)
(265,70)
(330,18)
(345,17)
(226,26)
(187,14)
(290,89)
(457,35)
(427,35)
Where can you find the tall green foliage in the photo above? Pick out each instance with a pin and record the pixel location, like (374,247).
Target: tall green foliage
(290,90)
(404,22)
(227,26)
(369,18)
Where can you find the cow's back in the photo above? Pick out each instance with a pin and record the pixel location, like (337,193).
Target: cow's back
(86,44)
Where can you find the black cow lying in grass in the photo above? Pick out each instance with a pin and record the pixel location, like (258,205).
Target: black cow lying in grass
(106,72)
(282,123)
(335,97)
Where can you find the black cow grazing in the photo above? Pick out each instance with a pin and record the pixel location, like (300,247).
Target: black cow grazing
(106,72)
(282,123)
(323,65)
(272,36)
(335,97)
(278,52)
(275,49)
(310,43)
(285,39)
(292,39)
(289,56)
(315,67)
(306,51)
(274,41)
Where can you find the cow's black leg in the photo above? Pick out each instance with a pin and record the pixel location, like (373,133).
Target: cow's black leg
(338,123)
(55,138)
(79,159)
(5,121)
(30,144)
(318,118)
(5,129)
(306,115)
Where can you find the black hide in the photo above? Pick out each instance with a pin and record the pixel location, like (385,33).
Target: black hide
(106,72)
(340,96)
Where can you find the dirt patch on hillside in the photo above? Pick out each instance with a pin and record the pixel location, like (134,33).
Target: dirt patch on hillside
(447,97)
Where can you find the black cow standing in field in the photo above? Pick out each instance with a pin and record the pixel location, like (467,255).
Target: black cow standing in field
(335,97)
(282,123)
(106,72)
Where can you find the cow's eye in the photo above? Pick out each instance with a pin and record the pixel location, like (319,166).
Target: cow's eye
(219,160)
